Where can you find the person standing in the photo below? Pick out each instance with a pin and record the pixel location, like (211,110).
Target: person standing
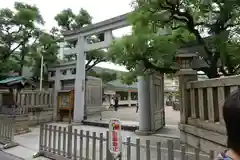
(112,102)
(137,108)
(116,103)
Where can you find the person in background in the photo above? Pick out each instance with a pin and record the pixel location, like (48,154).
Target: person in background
(231,112)
(137,106)
(116,103)
(112,102)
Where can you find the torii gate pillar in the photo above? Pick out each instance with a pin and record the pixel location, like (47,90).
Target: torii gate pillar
(79,95)
(151,103)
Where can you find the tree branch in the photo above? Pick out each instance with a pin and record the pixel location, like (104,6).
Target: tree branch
(88,63)
(231,25)
(149,65)
(177,27)
(98,60)
(223,71)
(191,27)
(236,69)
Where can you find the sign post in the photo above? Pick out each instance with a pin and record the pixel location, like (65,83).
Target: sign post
(115,138)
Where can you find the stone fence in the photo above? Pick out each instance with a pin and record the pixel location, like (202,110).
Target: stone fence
(31,108)
(202,109)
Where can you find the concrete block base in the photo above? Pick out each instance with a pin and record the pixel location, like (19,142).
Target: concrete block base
(38,154)
(144,133)
(203,139)
(76,123)
(105,124)
(8,144)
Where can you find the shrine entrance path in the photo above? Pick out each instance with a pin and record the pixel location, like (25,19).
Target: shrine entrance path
(128,116)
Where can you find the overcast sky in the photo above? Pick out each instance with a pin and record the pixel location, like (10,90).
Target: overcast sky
(98,9)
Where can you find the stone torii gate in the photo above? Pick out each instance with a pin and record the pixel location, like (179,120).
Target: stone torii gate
(150,88)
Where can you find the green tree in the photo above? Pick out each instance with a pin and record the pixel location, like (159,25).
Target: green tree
(67,20)
(105,76)
(142,52)
(48,47)
(128,78)
(217,19)
(146,51)
(18,28)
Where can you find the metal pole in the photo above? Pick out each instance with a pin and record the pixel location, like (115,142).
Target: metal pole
(41,73)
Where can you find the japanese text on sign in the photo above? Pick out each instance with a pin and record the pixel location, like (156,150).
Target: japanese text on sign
(115,139)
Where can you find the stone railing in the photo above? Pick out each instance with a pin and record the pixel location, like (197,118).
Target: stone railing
(13,110)
(42,99)
(31,107)
(204,127)
(29,98)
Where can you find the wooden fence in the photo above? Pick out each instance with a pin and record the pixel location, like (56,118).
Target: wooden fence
(203,111)
(7,131)
(68,143)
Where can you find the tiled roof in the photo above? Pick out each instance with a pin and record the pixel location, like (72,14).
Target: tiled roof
(12,79)
(16,80)
(118,84)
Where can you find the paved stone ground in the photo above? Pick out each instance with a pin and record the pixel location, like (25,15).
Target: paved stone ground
(129,114)
(7,156)
(29,142)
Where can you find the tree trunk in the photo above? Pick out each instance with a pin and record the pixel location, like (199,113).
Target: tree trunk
(212,72)
(22,61)
(21,66)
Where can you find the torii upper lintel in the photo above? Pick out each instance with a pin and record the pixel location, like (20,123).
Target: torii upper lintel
(109,24)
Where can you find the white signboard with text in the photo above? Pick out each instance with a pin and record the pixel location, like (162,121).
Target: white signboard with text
(115,138)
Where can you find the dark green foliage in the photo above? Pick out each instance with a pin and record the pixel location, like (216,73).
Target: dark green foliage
(21,39)
(217,19)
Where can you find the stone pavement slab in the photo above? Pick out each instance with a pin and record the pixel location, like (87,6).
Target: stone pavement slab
(6,156)
(172,117)
(169,131)
(28,146)
(126,125)
(23,153)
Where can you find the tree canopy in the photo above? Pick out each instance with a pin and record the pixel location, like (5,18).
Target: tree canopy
(105,76)
(17,28)
(146,50)
(68,20)
(46,46)
(21,38)
(23,42)
(212,25)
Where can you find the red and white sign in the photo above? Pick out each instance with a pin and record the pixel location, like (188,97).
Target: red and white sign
(115,138)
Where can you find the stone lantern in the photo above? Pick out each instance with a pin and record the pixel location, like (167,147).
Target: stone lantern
(185,60)
(189,59)
(186,74)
